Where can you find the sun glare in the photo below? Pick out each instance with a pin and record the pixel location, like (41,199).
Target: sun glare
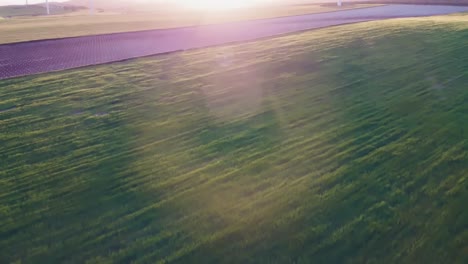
(214,4)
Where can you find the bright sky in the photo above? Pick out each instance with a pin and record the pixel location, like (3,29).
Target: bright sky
(216,2)
(21,2)
(228,3)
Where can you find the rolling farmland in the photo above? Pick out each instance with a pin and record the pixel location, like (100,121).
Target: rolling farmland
(51,55)
(81,24)
(341,145)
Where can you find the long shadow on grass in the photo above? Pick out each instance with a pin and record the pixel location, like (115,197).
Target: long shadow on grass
(67,157)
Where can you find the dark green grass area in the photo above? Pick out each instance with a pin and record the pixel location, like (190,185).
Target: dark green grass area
(343,145)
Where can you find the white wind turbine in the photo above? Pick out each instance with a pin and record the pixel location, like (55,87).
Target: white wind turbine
(91,6)
(47,7)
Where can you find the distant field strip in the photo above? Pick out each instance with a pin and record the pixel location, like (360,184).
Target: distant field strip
(81,24)
(341,145)
(28,58)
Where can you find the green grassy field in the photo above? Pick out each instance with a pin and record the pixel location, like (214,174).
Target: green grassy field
(341,145)
(81,24)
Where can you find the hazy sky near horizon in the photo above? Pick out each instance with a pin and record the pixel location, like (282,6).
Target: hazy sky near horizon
(22,2)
